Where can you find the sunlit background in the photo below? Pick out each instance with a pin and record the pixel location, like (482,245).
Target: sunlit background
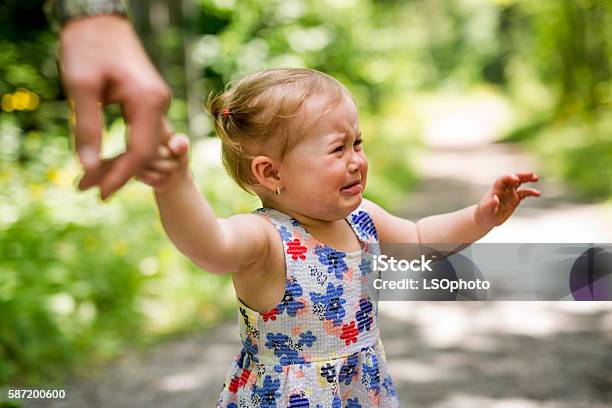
(438,85)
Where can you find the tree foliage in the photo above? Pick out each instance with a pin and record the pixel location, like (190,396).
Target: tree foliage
(80,279)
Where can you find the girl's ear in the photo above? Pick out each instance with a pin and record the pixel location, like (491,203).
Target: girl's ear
(266,172)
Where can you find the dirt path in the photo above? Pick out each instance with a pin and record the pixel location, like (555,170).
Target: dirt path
(478,354)
(501,354)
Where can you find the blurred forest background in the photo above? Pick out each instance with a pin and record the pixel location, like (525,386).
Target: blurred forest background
(80,281)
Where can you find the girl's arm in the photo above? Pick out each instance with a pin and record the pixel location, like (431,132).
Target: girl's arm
(456,227)
(459,227)
(216,245)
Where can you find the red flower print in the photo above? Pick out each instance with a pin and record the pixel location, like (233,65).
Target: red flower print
(238,382)
(349,333)
(296,250)
(233,385)
(244,377)
(271,315)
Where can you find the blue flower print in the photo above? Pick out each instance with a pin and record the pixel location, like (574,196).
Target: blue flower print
(353,403)
(289,356)
(284,233)
(280,344)
(248,353)
(333,259)
(332,302)
(364,320)
(349,369)
(268,392)
(373,374)
(276,341)
(298,401)
(289,301)
(364,224)
(365,266)
(244,360)
(232,405)
(328,371)
(389,387)
(336,403)
(307,338)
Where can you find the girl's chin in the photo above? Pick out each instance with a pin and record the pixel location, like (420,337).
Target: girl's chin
(353,202)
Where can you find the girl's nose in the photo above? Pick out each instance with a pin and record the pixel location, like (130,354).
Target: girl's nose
(357,162)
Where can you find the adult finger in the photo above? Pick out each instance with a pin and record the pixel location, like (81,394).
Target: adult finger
(144,136)
(92,177)
(166,130)
(88,126)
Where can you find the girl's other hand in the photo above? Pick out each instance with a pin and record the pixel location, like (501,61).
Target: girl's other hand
(170,166)
(498,204)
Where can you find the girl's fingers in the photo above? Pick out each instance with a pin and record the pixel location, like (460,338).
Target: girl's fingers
(163,165)
(528,192)
(508,180)
(495,202)
(179,145)
(163,152)
(146,180)
(527,176)
(516,179)
(154,179)
(151,180)
(151,175)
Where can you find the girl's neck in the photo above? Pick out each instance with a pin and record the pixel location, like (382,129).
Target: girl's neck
(311,224)
(335,234)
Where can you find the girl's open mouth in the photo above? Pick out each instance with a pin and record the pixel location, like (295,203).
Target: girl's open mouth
(353,188)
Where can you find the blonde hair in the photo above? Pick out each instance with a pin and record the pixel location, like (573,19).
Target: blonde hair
(257,111)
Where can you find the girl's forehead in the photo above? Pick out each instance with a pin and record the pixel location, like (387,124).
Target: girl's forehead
(328,116)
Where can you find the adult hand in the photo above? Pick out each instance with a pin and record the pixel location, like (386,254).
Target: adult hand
(103,62)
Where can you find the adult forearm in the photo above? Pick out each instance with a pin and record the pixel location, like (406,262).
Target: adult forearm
(459,227)
(192,225)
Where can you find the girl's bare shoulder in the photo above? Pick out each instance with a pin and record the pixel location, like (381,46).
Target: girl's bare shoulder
(255,227)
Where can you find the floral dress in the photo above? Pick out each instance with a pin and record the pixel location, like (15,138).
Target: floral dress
(320,346)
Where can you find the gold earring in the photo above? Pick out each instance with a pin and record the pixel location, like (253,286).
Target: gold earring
(277,190)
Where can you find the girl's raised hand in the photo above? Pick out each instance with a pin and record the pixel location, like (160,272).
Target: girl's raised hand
(171,164)
(496,206)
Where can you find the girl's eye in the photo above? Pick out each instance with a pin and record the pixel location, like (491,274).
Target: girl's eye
(338,149)
(358,142)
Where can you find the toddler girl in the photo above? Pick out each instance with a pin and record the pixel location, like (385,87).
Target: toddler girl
(308,324)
